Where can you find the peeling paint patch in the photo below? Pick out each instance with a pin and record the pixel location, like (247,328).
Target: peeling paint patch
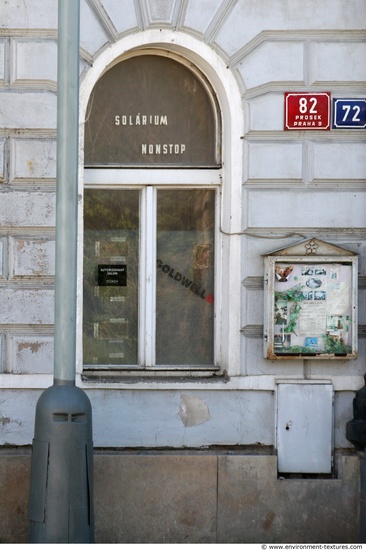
(193,411)
(34,347)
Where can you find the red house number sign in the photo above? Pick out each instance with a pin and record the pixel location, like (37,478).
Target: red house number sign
(307,111)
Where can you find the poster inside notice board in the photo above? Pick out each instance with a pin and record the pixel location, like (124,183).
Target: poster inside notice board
(313,309)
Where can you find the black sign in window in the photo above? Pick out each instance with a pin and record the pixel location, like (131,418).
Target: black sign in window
(112,275)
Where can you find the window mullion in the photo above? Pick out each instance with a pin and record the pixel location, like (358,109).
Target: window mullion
(150,274)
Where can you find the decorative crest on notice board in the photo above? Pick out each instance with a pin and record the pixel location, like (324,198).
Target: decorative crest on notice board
(311,247)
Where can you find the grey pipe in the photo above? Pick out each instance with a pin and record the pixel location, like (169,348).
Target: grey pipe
(66,191)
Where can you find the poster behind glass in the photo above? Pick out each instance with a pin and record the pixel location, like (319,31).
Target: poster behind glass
(312,309)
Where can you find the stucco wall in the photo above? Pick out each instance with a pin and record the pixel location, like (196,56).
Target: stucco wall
(288,178)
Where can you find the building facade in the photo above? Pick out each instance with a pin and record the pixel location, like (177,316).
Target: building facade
(221,262)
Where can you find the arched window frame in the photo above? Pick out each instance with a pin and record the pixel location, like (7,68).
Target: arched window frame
(228,178)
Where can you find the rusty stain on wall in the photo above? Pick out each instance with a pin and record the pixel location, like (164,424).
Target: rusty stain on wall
(268,521)
(30,166)
(193,411)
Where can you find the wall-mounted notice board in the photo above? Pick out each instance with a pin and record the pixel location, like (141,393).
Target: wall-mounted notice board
(311,302)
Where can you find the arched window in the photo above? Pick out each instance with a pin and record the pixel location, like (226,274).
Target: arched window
(151,211)
(160,181)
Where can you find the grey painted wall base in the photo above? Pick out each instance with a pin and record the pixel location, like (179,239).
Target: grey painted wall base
(196,497)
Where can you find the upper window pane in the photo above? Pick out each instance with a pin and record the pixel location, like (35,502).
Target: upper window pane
(151,110)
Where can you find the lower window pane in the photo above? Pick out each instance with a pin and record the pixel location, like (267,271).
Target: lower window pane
(185,277)
(111,244)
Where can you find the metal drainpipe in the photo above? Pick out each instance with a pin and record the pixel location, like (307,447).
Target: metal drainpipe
(356,434)
(61,484)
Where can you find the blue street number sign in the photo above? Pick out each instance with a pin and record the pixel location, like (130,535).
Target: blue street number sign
(349,113)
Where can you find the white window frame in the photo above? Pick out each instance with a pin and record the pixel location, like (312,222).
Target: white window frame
(228,180)
(116,179)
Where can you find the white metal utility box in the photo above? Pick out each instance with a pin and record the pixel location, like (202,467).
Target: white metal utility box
(304,427)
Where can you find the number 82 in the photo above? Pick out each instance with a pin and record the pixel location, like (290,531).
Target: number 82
(303,105)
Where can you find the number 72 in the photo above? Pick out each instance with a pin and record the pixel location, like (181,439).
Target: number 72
(356,110)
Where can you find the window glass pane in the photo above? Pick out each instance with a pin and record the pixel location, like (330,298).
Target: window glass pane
(185,277)
(111,244)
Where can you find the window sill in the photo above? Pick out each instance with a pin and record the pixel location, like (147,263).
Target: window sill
(157,375)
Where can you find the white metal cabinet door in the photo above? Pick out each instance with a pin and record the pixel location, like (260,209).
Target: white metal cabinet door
(304,428)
